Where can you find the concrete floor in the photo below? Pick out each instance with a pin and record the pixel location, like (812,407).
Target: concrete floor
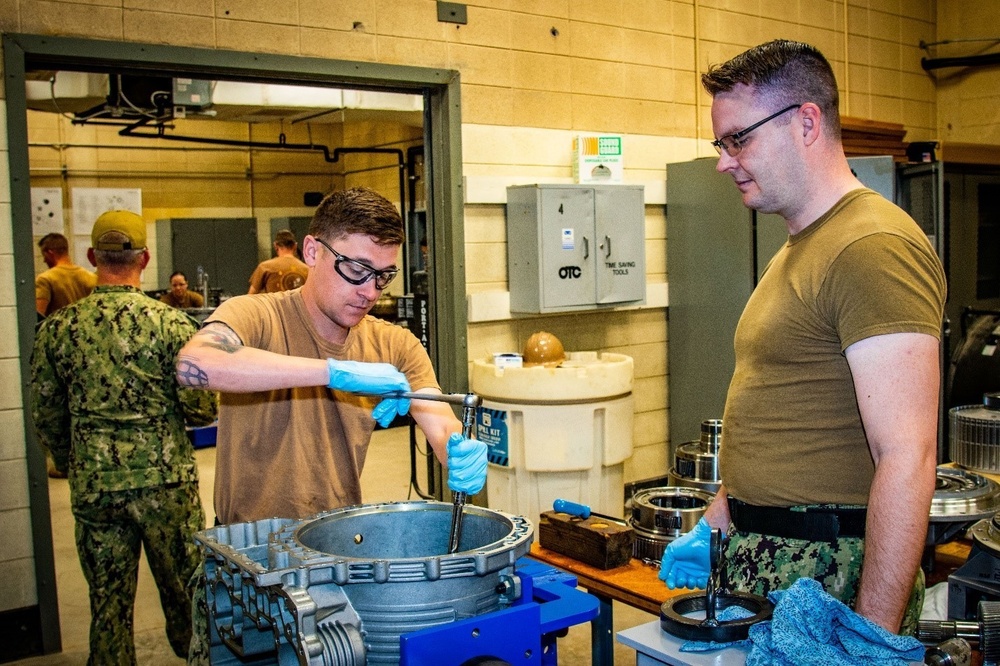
(386,478)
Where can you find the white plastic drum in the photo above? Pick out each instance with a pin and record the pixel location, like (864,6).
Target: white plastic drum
(554,433)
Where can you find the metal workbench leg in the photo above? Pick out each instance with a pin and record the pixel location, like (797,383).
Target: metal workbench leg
(602,641)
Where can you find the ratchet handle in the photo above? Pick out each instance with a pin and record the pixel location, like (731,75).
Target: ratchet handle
(572,508)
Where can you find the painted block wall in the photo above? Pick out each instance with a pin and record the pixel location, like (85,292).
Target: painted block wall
(534,72)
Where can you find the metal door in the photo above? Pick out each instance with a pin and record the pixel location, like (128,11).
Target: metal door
(225,248)
(710,274)
(621,251)
(568,249)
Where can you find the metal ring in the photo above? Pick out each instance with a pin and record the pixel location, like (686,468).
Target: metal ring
(961,495)
(668,512)
(675,620)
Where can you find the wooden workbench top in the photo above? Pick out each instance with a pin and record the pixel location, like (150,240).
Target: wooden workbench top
(635,583)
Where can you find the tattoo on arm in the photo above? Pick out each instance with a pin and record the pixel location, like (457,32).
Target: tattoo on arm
(215,335)
(189,374)
(221,337)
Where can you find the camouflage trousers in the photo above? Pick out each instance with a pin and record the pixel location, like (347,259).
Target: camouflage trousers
(761,563)
(200,650)
(112,528)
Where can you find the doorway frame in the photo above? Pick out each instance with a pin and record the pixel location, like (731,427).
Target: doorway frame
(441,91)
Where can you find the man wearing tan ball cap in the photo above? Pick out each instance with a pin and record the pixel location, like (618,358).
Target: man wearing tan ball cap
(106,403)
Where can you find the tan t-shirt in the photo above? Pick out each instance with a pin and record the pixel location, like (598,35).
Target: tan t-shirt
(62,285)
(190,299)
(293,453)
(793,434)
(279,274)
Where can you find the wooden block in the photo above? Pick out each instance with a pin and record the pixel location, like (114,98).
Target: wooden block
(599,542)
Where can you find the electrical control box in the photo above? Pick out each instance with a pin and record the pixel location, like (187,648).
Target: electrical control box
(575,247)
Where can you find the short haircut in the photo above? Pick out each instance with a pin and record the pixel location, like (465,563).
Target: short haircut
(117,258)
(785,72)
(358,210)
(285,238)
(56,243)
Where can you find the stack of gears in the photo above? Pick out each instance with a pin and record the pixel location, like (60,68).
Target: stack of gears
(660,515)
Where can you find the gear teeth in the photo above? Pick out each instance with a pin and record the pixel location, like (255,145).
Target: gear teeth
(989,632)
(644,548)
(932,632)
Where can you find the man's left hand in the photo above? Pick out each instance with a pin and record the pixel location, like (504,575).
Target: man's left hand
(389,409)
(466,464)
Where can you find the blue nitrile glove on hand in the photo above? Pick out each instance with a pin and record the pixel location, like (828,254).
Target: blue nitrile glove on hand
(686,561)
(466,464)
(371,379)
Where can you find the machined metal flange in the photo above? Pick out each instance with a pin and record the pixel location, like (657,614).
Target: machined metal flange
(663,514)
(986,533)
(697,616)
(961,495)
(680,616)
(696,464)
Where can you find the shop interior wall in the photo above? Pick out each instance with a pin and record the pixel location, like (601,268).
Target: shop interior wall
(189,180)
(533,74)
(968,97)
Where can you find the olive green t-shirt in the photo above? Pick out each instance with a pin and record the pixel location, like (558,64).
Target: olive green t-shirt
(793,433)
(294,452)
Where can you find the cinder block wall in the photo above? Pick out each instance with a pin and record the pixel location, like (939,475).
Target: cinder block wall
(534,72)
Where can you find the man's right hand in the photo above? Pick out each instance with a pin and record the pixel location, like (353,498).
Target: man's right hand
(686,561)
(365,378)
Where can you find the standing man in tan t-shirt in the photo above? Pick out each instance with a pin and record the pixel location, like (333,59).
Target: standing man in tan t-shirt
(830,440)
(64,282)
(283,272)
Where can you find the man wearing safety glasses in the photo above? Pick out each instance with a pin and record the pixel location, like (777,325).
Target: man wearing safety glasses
(829,447)
(297,371)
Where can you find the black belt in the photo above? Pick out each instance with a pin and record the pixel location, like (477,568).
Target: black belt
(809,524)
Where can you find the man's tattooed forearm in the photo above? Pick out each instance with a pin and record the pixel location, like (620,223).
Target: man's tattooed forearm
(189,374)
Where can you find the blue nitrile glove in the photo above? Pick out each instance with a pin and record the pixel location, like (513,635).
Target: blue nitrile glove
(371,379)
(686,561)
(466,464)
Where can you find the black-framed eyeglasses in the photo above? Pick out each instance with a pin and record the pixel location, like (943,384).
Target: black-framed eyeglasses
(733,143)
(357,272)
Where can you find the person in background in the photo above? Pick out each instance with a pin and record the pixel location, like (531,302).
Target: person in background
(283,272)
(106,403)
(64,282)
(298,370)
(830,443)
(179,295)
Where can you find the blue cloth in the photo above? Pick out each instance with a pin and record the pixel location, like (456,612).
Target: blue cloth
(725,615)
(811,628)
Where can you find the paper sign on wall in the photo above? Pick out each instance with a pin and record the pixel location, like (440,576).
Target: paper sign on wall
(46,210)
(89,202)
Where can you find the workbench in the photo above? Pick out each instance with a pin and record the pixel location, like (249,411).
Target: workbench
(635,584)
(639,586)
(655,647)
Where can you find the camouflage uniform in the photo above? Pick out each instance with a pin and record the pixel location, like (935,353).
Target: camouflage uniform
(760,563)
(106,403)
